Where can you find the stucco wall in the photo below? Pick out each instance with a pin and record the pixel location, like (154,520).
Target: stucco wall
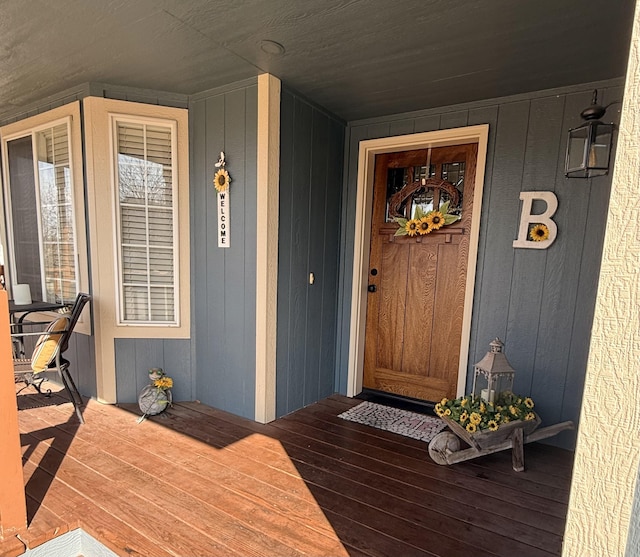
(600,518)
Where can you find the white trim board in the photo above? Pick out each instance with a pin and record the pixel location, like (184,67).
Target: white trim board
(364,200)
(268,185)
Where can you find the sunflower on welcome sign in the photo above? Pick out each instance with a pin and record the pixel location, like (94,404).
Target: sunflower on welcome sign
(221,180)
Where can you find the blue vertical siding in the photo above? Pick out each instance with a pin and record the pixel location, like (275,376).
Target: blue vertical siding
(539,302)
(310,182)
(135,357)
(223,285)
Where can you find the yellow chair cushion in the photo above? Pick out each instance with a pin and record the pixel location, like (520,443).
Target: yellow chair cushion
(48,345)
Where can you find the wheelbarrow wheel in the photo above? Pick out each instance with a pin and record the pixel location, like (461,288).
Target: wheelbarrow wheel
(442,445)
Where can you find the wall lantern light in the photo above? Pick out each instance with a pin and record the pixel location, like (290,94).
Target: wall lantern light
(589,145)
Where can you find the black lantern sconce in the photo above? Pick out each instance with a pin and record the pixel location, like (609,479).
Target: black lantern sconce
(589,145)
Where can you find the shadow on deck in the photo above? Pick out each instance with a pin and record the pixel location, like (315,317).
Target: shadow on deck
(199,481)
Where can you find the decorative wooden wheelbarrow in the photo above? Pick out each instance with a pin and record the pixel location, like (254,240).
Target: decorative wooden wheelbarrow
(444,448)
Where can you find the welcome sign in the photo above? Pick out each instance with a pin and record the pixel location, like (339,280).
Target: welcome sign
(221,182)
(224,238)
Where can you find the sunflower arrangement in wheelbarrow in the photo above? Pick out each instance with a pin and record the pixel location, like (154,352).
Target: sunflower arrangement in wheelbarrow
(476,414)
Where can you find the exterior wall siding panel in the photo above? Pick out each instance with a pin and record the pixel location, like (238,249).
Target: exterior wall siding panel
(82,347)
(539,302)
(310,182)
(223,279)
(217,365)
(135,357)
(633,541)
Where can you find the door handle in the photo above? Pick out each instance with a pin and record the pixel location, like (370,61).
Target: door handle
(371,288)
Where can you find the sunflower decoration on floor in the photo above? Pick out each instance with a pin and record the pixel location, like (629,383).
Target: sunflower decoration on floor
(424,223)
(539,233)
(155,397)
(221,178)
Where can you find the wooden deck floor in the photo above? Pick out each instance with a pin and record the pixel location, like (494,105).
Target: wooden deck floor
(197,481)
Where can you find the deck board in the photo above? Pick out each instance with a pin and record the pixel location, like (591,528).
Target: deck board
(300,451)
(418,449)
(154,477)
(199,481)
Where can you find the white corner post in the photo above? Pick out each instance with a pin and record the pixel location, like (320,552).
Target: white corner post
(268,184)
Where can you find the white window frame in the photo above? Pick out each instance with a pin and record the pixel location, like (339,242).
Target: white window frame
(101,182)
(114,119)
(29,127)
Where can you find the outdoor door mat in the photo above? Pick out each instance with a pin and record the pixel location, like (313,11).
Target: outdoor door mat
(402,422)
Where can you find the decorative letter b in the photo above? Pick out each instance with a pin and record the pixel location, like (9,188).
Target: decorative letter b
(544,219)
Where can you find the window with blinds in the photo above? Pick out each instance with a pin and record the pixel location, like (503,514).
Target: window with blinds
(146,215)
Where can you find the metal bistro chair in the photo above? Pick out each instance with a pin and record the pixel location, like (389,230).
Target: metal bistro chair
(48,354)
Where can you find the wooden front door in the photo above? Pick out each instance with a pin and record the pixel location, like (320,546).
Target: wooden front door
(417,283)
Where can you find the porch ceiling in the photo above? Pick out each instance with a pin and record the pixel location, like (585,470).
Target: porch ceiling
(357,58)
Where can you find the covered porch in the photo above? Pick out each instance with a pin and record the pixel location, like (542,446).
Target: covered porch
(262,344)
(200,481)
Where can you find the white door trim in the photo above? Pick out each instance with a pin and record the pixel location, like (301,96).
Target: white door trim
(366,162)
